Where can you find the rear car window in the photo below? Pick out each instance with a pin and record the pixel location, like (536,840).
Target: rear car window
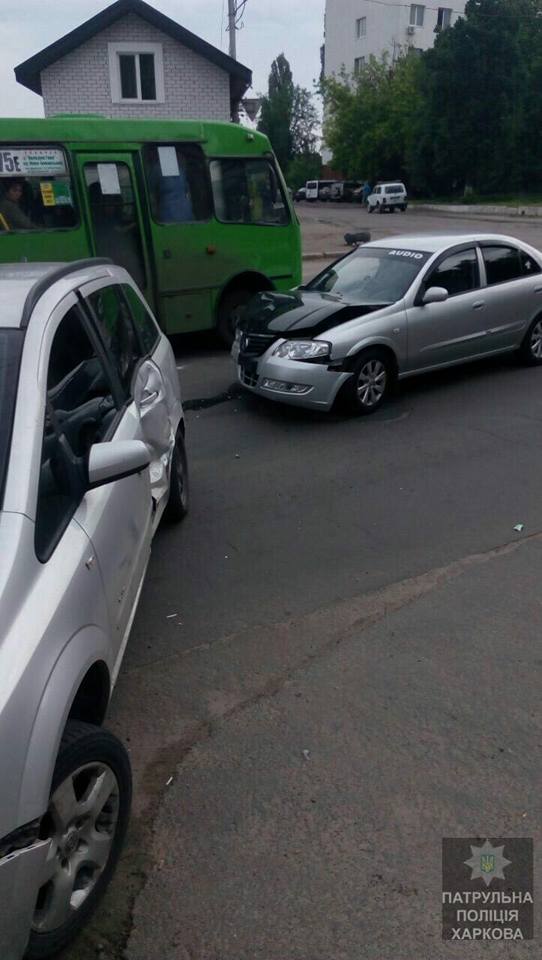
(36,191)
(11,343)
(502,264)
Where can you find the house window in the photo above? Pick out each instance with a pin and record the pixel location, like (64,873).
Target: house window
(361,27)
(359,63)
(136,73)
(417,13)
(444,17)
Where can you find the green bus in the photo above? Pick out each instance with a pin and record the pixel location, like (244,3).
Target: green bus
(198,212)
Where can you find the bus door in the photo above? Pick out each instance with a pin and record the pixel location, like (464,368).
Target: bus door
(115,215)
(188,261)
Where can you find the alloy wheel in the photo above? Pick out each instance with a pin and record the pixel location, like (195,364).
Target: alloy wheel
(536,340)
(372,381)
(81,823)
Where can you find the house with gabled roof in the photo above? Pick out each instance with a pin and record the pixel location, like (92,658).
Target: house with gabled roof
(131,61)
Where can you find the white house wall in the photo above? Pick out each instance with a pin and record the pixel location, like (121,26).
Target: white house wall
(80,83)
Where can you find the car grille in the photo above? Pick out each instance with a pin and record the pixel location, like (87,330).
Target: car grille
(254,344)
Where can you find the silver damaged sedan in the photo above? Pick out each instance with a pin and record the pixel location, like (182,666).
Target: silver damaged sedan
(392,309)
(91,456)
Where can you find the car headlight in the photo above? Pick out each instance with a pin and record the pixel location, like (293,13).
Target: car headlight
(302,349)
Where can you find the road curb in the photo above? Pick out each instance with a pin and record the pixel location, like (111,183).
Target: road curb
(481,210)
(325,255)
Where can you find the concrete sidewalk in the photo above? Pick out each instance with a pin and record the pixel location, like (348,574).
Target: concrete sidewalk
(305,821)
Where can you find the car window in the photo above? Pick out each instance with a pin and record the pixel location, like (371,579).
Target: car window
(528,264)
(80,411)
(118,333)
(457,273)
(145,325)
(502,264)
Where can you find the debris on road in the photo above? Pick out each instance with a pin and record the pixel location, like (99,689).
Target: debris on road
(169,782)
(519,527)
(306,754)
(170,616)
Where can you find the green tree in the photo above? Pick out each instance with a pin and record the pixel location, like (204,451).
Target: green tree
(370,118)
(288,116)
(277,109)
(305,166)
(466,113)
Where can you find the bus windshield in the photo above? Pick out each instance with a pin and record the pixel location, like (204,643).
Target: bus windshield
(35,190)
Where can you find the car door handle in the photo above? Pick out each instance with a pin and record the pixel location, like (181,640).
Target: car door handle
(538,289)
(148,397)
(478,305)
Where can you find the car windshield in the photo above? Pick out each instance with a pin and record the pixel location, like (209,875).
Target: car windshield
(10,354)
(371,275)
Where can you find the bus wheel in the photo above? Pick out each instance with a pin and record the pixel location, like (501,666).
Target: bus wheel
(230,312)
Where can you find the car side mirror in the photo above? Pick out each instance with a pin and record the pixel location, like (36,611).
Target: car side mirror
(115,460)
(435,295)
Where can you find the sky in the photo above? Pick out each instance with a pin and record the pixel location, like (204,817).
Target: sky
(269,28)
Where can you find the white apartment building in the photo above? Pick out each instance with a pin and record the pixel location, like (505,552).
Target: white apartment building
(357,29)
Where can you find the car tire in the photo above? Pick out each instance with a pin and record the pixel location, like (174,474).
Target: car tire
(179,487)
(90,760)
(230,312)
(403,208)
(370,209)
(380,208)
(530,351)
(371,381)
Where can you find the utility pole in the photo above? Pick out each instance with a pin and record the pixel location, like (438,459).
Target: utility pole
(232,16)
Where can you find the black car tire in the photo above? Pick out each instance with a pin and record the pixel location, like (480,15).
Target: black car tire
(230,311)
(370,209)
(179,486)
(526,351)
(380,361)
(83,745)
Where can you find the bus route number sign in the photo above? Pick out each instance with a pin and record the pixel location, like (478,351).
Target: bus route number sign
(31,162)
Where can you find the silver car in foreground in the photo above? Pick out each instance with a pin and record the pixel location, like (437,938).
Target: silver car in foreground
(391,309)
(91,455)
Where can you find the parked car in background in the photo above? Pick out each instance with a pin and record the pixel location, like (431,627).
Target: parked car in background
(389,310)
(300,194)
(92,455)
(318,189)
(344,191)
(387,196)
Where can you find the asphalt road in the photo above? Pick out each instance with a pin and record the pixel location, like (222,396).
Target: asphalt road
(352,672)
(324,224)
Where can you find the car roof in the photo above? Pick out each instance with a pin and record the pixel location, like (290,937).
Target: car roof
(438,242)
(23,284)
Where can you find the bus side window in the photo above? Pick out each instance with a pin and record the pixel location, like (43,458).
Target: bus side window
(178,184)
(248,191)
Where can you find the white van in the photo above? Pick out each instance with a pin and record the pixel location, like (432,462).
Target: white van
(318,189)
(387,196)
